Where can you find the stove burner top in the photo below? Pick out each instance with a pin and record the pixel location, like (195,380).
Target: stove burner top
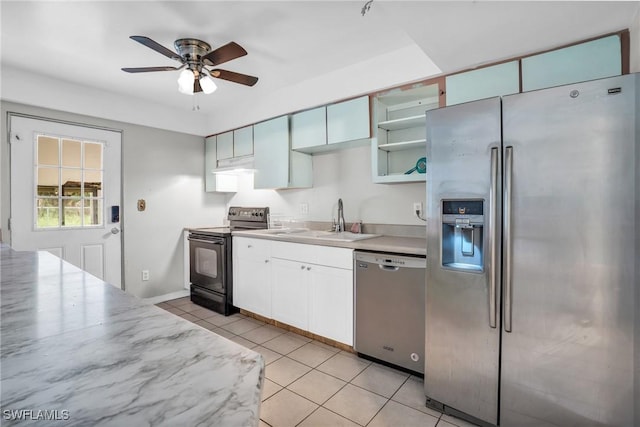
(240,219)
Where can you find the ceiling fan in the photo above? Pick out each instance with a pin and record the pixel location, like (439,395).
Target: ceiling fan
(195,56)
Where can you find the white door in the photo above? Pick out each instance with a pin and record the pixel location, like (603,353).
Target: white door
(65,179)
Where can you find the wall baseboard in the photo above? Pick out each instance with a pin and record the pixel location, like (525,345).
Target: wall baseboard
(167,297)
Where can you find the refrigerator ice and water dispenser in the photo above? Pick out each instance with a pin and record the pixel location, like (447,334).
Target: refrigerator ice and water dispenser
(462,234)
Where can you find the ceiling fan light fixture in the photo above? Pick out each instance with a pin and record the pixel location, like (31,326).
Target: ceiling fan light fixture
(185,82)
(207,84)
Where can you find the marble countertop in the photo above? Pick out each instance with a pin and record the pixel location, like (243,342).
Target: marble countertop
(392,244)
(90,354)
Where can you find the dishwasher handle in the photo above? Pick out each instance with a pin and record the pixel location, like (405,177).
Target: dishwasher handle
(388,267)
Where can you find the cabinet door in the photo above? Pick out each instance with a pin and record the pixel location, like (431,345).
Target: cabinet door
(290,287)
(224,146)
(220,182)
(243,141)
(331,303)
(487,82)
(251,275)
(209,164)
(348,120)
(309,128)
(271,153)
(585,61)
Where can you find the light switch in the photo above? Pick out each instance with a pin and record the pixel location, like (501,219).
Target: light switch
(142,205)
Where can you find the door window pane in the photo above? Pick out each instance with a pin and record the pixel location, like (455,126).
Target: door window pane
(48,151)
(71,182)
(92,155)
(47,184)
(71,153)
(93,183)
(48,213)
(71,209)
(92,212)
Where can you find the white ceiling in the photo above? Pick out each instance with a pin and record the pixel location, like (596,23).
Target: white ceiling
(289,43)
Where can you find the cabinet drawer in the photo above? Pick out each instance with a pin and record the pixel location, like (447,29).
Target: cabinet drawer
(334,257)
(314,254)
(294,251)
(251,248)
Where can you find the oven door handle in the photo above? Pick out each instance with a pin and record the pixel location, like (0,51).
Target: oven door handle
(212,242)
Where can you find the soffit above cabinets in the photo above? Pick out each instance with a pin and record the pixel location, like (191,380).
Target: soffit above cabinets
(306,53)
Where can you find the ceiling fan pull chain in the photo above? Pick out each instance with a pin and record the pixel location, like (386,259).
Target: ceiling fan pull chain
(196,104)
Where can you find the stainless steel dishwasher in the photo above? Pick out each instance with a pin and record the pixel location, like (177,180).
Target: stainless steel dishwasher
(389,308)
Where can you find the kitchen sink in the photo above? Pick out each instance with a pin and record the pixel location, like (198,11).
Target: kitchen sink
(344,236)
(347,236)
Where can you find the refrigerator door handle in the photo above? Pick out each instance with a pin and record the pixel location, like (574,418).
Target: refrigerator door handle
(508,175)
(493,227)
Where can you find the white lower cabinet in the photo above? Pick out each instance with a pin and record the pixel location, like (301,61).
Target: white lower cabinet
(331,303)
(306,286)
(252,275)
(313,289)
(290,292)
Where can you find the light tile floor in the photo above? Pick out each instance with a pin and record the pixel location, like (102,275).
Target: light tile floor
(308,383)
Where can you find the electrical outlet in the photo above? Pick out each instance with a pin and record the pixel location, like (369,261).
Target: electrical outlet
(145,274)
(304,208)
(417,207)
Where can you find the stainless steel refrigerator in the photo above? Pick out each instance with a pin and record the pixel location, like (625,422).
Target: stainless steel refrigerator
(533,254)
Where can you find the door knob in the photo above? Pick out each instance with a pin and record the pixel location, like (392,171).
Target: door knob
(115,230)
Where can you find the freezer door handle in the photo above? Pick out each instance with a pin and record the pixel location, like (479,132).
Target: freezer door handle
(508,176)
(493,227)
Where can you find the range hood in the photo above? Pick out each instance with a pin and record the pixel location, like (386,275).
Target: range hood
(235,165)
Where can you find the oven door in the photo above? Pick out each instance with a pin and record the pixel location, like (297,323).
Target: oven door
(208,258)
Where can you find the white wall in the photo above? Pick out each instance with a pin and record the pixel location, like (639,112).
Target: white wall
(35,89)
(165,168)
(342,174)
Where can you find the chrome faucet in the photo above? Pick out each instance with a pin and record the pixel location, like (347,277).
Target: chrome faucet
(340,225)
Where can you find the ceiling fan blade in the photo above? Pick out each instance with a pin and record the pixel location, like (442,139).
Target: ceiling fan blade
(157,47)
(223,54)
(147,69)
(196,86)
(232,76)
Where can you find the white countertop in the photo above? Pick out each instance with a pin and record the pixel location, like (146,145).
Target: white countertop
(392,244)
(71,342)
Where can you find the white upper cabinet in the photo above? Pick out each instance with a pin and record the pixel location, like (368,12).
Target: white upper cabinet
(309,128)
(276,166)
(224,148)
(209,163)
(591,60)
(487,82)
(348,120)
(216,182)
(332,127)
(243,141)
